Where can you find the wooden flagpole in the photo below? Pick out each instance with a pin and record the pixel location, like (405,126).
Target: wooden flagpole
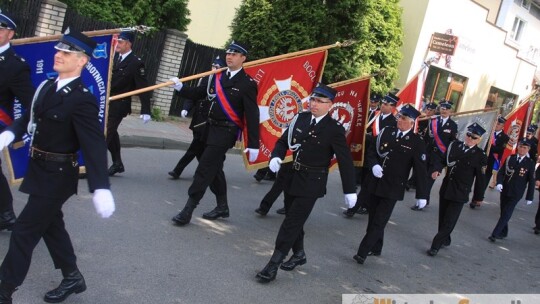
(139,28)
(461,113)
(246,65)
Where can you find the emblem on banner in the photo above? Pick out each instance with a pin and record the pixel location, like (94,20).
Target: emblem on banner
(100,51)
(284,101)
(343,112)
(513,133)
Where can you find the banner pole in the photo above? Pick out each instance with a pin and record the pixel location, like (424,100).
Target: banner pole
(460,113)
(246,65)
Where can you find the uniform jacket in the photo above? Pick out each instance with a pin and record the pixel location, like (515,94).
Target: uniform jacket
(15,81)
(317,149)
(127,76)
(516,176)
(498,148)
(534,148)
(463,168)
(447,133)
(199,109)
(388,121)
(409,152)
(66,121)
(241,91)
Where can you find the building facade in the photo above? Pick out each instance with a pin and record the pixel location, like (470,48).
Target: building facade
(482,53)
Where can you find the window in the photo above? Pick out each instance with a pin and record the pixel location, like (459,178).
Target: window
(526,4)
(517,29)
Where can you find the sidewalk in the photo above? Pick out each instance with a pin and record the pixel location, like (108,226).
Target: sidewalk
(172,134)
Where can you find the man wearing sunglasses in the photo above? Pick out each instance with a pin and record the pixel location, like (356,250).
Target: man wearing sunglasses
(441,132)
(466,163)
(314,139)
(15,83)
(395,152)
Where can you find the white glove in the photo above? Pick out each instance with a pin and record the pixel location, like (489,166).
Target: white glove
(6,138)
(146,118)
(183,113)
(275,164)
(377,171)
(421,203)
(528,202)
(350,199)
(253,153)
(103,202)
(499,187)
(177,83)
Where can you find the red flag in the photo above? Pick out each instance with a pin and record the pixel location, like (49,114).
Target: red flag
(282,86)
(412,91)
(350,108)
(514,127)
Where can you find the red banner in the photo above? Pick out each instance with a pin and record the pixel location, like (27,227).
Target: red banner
(283,85)
(412,91)
(514,127)
(350,109)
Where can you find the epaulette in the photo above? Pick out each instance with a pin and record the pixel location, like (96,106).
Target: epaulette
(19,57)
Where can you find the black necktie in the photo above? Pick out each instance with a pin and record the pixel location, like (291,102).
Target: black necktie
(399,135)
(313,123)
(119,59)
(519,159)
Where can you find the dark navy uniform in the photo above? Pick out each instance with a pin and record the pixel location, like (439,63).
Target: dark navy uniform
(221,133)
(437,144)
(127,75)
(496,151)
(15,82)
(396,157)
(514,176)
(200,109)
(465,166)
(306,181)
(66,121)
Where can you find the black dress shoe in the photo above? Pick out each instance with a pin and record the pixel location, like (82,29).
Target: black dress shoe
(270,176)
(492,238)
(296,259)
(473,205)
(116,168)
(216,213)
(416,208)
(261,211)
(359,259)
(72,283)
(432,252)
(348,213)
(269,271)
(7,220)
(281,211)
(258,177)
(6,290)
(174,175)
(362,210)
(536,230)
(374,253)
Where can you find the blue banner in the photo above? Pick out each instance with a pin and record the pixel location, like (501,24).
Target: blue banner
(40,57)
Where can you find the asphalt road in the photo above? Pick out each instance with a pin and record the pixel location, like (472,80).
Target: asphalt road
(138,256)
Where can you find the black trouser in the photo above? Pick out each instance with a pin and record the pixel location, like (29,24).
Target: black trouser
(380,209)
(209,172)
(537,217)
(449,212)
(195,150)
(113,139)
(277,187)
(507,208)
(42,217)
(6,199)
(362,197)
(291,231)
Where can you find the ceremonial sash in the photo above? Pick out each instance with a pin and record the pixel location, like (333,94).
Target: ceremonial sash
(436,137)
(497,163)
(5,119)
(225,104)
(375,124)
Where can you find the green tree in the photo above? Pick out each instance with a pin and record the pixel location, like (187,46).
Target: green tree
(155,13)
(283,26)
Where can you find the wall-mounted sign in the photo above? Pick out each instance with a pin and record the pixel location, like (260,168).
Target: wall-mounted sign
(443,43)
